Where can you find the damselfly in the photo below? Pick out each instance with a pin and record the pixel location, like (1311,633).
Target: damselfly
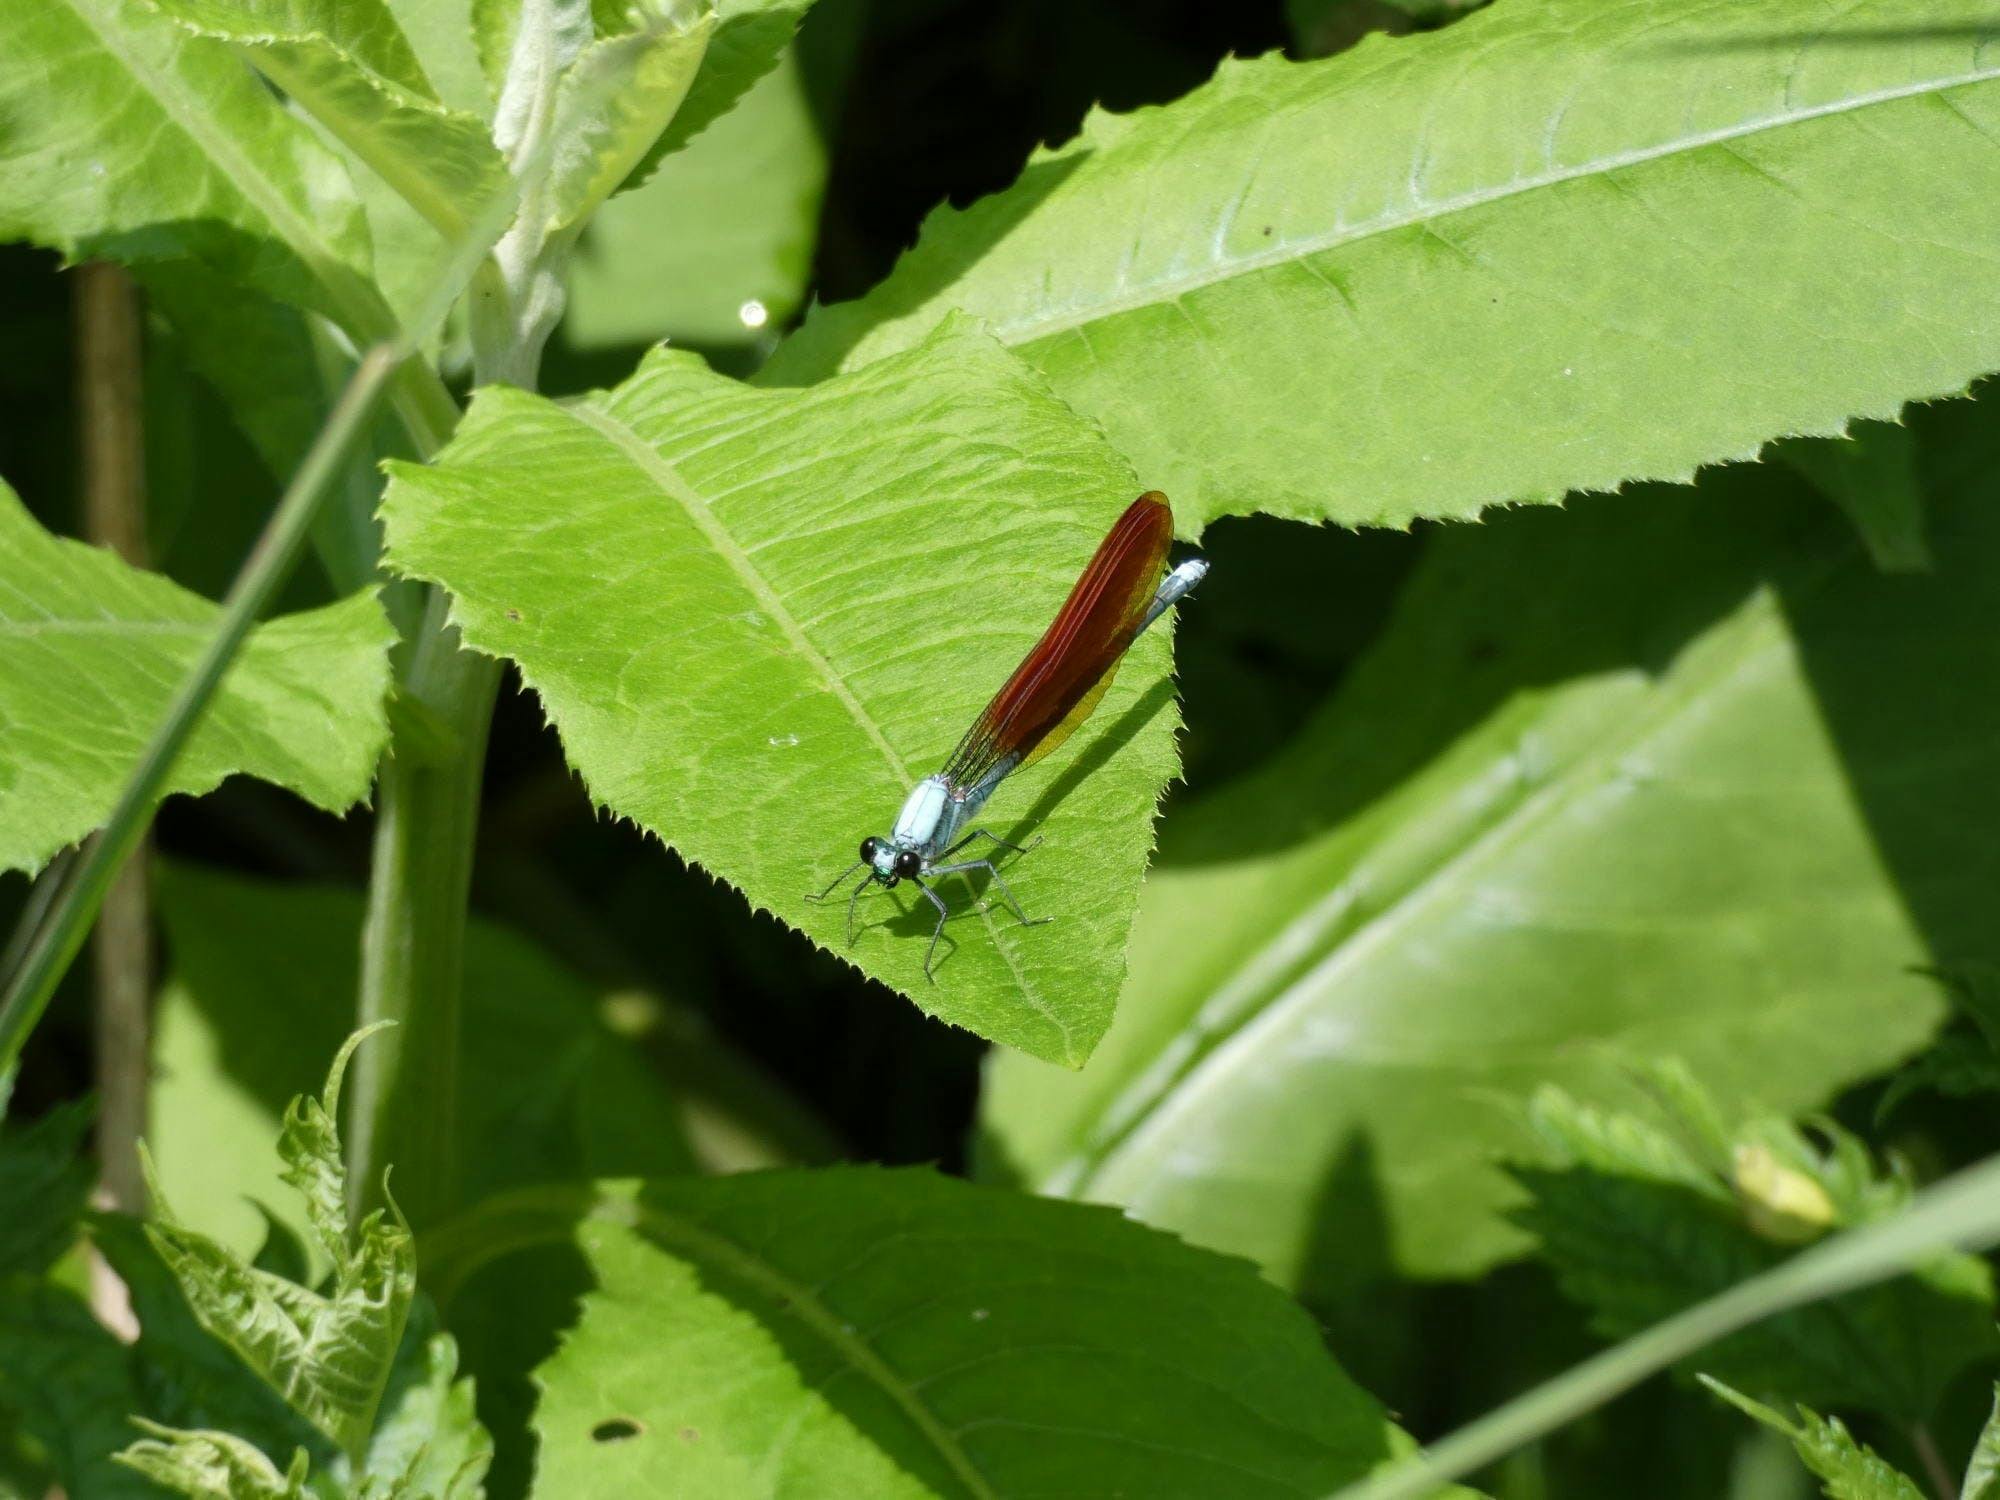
(1054,690)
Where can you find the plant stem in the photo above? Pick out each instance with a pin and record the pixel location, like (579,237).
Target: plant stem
(412,947)
(427,408)
(1936,1470)
(108,388)
(51,950)
(1961,1212)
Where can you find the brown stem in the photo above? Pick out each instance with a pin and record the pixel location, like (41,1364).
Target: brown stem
(1935,1468)
(109,358)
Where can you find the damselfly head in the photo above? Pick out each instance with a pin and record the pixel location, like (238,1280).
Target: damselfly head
(889,864)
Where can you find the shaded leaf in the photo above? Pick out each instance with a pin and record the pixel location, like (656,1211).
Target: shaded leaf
(547,1090)
(1637,1229)
(348,64)
(753,183)
(71,1386)
(1959,1067)
(45,1180)
(1846,1469)
(1871,474)
(867,1332)
(1671,774)
(95,650)
(759,617)
(129,139)
(1479,265)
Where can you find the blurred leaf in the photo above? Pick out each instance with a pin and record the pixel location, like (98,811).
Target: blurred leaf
(1847,1470)
(615,99)
(1479,265)
(749,38)
(774,612)
(129,139)
(717,246)
(96,650)
(70,1385)
(1982,1472)
(868,1332)
(1871,474)
(1677,773)
(328,1354)
(547,1090)
(1959,1067)
(1637,1229)
(45,1180)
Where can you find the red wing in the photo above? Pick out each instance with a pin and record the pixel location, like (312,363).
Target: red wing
(1059,682)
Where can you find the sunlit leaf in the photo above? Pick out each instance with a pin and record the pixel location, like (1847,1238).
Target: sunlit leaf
(348,64)
(1677,773)
(1487,263)
(759,617)
(750,36)
(1982,1473)
(328,1353)
(898,1334)
(1846,1469)
(95,649)
(128,138)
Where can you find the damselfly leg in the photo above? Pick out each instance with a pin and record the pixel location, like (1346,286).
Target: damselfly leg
(944,915)
(1005,894)
(822,895)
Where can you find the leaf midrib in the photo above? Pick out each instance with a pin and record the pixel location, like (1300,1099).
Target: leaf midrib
(328,268)
(1035,327)
(550,1213)
(1150,1097)
(655,466)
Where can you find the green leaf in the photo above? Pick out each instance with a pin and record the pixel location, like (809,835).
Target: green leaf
(1871,474)
(278,371)
(1959,1067)
(613,102)
(716,248)
(547,1090)
(759,617)
(1846,1469)
(192,1379)
(750,37)
(428,1442)
(347,63)
(45,1180)
(1439,272)
(70,1385)
(131,140)
(1637,1228)
(95,650)
(1982,1472)
(329,1354)
(213,1466)
(895,1333)
(1590,799)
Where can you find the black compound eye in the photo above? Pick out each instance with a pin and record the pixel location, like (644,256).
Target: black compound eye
(907,864)
(868,847)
